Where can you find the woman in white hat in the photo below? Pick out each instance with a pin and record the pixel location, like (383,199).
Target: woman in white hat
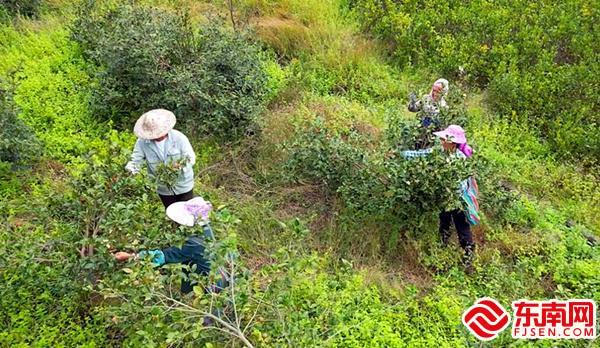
(428,108)
(158,145)
(193,251)
(431,104)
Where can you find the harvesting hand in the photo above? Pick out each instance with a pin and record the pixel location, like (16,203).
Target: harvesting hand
(122,256)
(132,168)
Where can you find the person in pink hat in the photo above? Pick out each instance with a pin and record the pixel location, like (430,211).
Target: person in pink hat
(453,139)
(158,144)
(454,142)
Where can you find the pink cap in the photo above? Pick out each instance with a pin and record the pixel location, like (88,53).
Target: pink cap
(453,133)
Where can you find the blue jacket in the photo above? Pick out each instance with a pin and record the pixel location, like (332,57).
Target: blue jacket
(177,146)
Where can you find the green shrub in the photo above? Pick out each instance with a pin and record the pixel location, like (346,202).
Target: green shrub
(51,89)
(537,57)
(573,263)
(474,38)
(370,184)
(18,144)
(411,191)
(109,206)
(555,101)
(27,8)
(150,58)
(41,294)
(61,244)
(329,159)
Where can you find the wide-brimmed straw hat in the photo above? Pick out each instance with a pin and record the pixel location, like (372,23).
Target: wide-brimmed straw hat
(188,213)
(154,124)
(453,133)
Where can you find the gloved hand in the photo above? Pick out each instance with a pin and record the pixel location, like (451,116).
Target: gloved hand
(132,168)
(157,256)
(412,97)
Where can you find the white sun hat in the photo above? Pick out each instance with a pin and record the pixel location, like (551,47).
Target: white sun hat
(154,124)
(188,213)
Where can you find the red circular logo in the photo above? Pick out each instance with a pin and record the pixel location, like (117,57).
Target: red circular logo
(486,319)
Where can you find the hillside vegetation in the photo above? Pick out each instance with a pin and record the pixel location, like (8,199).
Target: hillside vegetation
(296,111)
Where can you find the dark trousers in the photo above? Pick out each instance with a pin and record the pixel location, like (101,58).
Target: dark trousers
(192,253)
(463,228)
(167,200)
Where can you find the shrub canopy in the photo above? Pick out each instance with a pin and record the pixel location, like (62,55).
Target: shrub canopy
(540,59)
(213,79)
(28,8)
(18,144)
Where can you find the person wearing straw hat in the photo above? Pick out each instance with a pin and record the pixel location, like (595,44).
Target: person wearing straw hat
(160,146)
(193,251)
(454,142)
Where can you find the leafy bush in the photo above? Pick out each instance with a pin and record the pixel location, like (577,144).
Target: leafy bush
(109,206)
(149,58)
(408,191)
(42,284)
(329,159)
(28,8)
(474,38)
(18,144)
(41,294)
(51,90)
(556,101)
(411,191)
(538,58)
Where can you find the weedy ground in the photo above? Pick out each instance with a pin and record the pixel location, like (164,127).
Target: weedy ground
(331,278)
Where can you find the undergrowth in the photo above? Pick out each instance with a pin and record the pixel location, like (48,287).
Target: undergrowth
(315,270)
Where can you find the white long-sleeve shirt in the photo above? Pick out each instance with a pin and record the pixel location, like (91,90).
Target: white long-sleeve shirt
(176,147)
